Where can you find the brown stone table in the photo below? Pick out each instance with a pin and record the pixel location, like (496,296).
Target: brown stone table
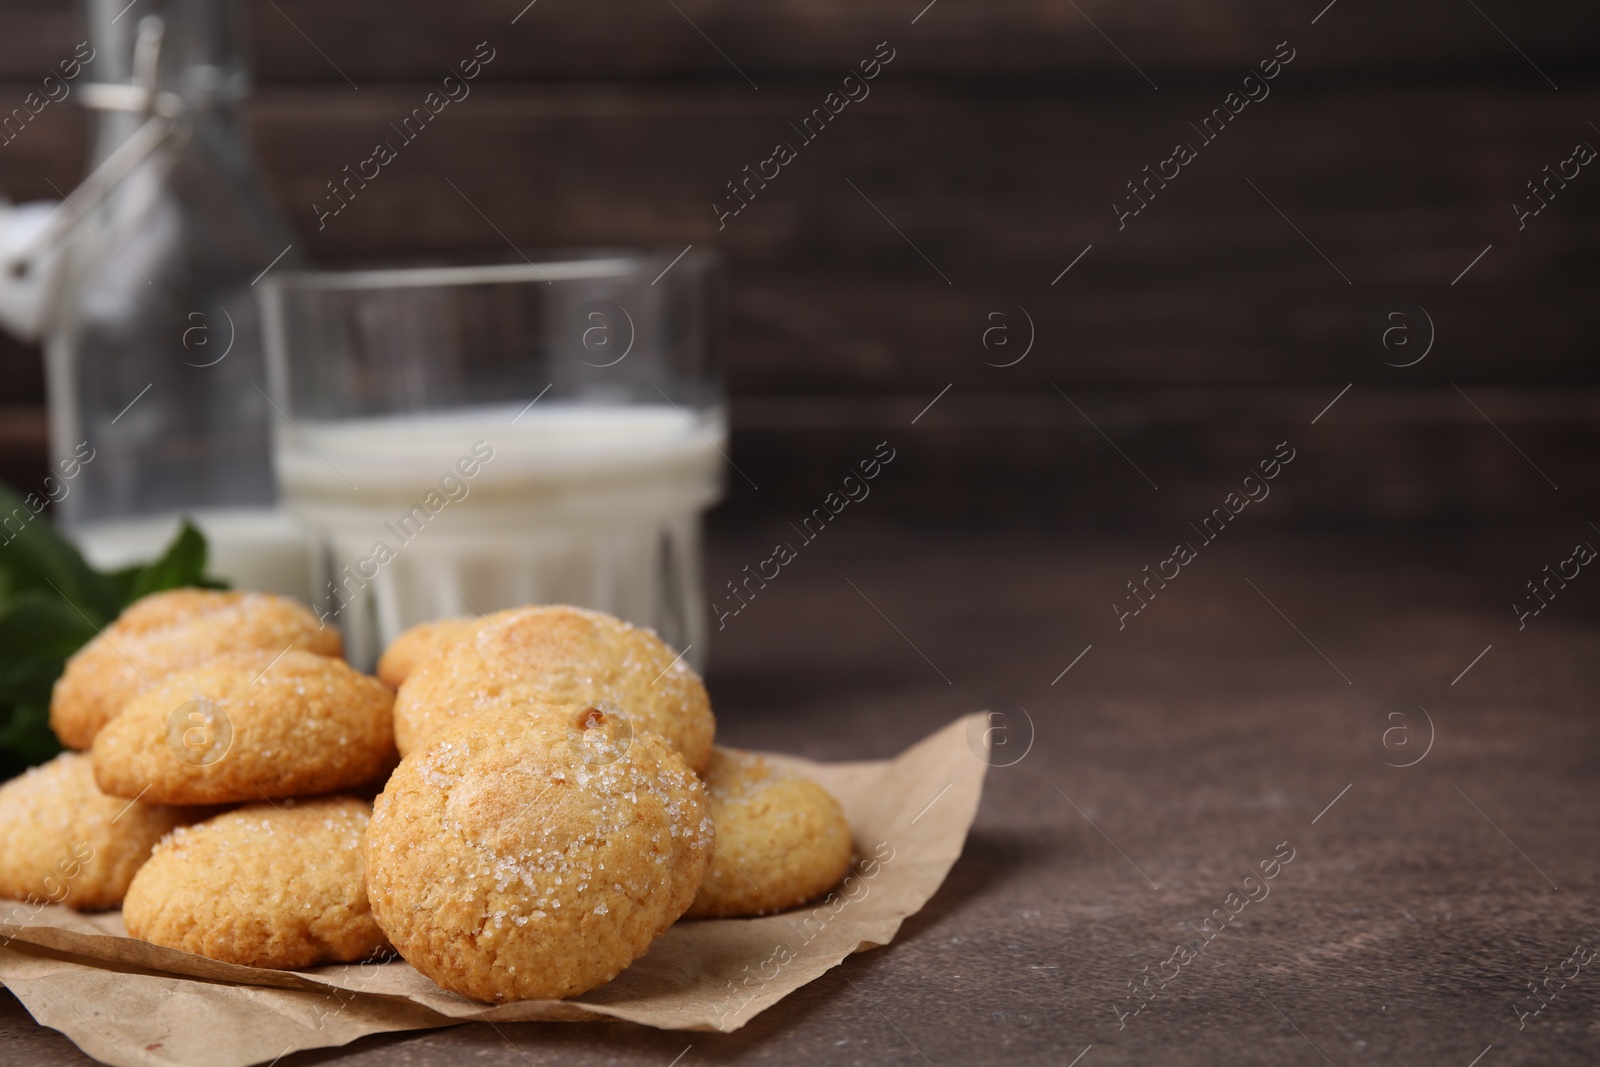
(1242,709)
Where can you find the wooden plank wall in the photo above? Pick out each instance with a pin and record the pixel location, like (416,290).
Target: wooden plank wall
(989,154)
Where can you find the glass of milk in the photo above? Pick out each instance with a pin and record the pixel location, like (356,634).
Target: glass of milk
(457,440)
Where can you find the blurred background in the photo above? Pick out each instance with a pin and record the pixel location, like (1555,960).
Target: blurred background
(870,276)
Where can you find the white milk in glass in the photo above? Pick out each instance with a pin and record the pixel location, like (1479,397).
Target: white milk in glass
(467,511)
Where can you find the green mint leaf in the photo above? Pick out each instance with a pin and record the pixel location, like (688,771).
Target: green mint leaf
(38,631)
(34,557)
(183,564)
(25,737)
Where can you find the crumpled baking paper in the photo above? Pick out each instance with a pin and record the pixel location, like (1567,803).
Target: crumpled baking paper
(134,1004)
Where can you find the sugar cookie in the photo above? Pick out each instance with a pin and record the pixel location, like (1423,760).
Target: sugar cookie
(267,885)
(166,632)
(249,726)
(558,654)
(406,652)
(522,855)
(64,842)
(781,839)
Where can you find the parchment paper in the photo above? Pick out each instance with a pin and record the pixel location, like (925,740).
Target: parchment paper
(134,1004)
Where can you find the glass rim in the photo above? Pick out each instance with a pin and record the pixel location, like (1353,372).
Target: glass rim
(445,276)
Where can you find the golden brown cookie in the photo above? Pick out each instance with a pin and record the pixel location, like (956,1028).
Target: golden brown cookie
(249,726)
(559,655)
(408,650)
(781,839)
(268,885)
(64,842)
(515,857)
(166,632)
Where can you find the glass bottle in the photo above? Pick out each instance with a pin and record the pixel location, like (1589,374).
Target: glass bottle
(153,347)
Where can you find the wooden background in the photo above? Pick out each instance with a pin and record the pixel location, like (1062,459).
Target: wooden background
(997,140)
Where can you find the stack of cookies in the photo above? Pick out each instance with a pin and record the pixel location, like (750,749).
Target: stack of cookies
(558,800)
(196,719)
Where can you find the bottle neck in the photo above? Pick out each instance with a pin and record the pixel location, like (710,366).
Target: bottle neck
(181,60)
(202,57)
